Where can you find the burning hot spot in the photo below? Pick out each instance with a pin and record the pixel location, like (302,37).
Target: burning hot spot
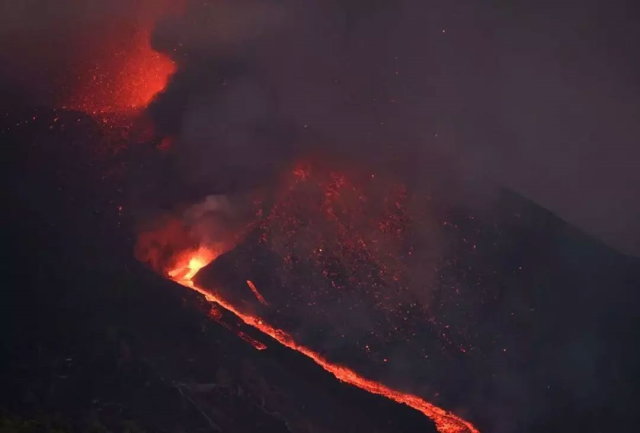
(190,263)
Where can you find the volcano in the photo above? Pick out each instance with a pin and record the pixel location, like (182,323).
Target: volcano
(95,340)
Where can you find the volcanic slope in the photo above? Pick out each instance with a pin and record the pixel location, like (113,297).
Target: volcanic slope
(527,323)
(95,341)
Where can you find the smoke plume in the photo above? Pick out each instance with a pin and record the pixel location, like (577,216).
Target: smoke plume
(455,97)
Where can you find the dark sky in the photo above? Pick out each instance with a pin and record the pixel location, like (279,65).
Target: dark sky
(538,96)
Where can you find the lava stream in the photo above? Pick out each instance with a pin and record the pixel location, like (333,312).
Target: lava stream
(445,421)
(216,315)
(254,289)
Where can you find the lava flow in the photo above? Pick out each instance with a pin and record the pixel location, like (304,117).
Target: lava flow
(254,289)
(216,315)
(445,421)
(187,267)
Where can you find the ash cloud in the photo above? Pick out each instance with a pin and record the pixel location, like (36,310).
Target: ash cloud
(312,78)
(459,96)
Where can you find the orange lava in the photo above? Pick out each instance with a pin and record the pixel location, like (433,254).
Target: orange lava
(252,341)
(254,289)
(189,263)
(446,422)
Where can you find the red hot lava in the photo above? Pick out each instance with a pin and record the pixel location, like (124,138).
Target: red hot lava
(254,289)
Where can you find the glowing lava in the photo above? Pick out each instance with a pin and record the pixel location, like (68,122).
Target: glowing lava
(254,289)
(216,315)
(445,421)
(190,263)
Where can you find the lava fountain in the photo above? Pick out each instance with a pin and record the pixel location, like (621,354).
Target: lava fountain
(114,69)
(124,78)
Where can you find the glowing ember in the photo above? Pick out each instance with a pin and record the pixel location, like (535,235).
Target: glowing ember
(254,289)
(445,422)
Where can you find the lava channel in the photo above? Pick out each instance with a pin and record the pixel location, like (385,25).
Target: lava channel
(446,422)
(254,289)
(216,315)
